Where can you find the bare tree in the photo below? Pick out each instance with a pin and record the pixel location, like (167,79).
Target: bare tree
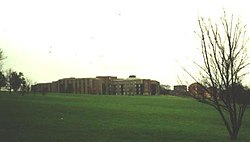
(29,84)
(224,52)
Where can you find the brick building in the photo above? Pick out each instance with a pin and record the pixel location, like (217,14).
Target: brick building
(198,90)
(180,90)
(101,85)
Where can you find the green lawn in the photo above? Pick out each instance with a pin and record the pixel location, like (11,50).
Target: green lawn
(87,118)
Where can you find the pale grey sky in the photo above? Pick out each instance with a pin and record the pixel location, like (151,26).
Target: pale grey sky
(52,39)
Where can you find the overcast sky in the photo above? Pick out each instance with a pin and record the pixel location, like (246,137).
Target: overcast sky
(52,39)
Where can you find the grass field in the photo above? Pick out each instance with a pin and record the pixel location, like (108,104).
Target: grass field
(87,118)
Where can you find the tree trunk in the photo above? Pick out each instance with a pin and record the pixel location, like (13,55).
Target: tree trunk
(233,136)
(10,89)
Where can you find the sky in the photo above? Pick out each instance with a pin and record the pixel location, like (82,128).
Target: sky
(52,39)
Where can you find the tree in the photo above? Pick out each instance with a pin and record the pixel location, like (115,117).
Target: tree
(29,83)
(23,86)
(8,79)
(2,77)
(15,81)
(2,57)
(224,53)
(2,80)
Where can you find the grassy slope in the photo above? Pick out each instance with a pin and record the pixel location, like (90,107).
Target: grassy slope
(61,117)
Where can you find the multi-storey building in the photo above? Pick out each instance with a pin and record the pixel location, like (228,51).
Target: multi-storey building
(180,90)
(198,90)
(101,85)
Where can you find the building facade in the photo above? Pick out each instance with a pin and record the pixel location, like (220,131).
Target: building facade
(101,85)
(198,90)
(180,90)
